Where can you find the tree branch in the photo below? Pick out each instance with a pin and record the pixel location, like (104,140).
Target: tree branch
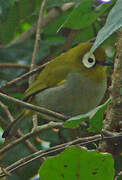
(35,51)
(7,111)
(13,65)
(114,112)
(35,108)
(26,75)
(27,143)
(36,46)
(57,149)
(31,134)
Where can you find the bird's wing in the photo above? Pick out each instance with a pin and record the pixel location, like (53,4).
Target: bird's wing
(49,77)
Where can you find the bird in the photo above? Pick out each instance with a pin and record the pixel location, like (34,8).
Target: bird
(73,83)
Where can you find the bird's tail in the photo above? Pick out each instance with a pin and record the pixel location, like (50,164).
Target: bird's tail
(12,126)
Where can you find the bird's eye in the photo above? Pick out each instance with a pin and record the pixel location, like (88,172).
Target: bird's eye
(89,60)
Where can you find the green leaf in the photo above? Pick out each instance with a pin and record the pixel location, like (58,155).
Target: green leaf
(1,139)
(96,122)
(82,15)
(75,121)
(53,26)
(78,163)
(95,118)
(113,23)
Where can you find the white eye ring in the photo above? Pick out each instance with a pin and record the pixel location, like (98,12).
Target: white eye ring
(89,60)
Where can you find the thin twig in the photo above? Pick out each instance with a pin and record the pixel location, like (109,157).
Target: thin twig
(35,52)
(36,46)
(4,171)
(35,120)
(13,65)
(26,75)
(35,108)
(7,111)
(44,153)
(27,143)
(31,134)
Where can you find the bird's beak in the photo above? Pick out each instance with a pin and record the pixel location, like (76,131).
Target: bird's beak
(105,63)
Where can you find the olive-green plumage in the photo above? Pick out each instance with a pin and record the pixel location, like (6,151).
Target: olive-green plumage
(72,83)
(67,86)
(71,61)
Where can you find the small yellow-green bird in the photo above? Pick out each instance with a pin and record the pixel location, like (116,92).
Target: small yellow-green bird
(72,84)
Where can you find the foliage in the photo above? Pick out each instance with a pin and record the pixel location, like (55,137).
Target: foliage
(113,23)
(83,21)
(78,163)
(95,118)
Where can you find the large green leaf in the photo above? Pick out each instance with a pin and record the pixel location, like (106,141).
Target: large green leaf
(113,23)
(83,15)
(78,163)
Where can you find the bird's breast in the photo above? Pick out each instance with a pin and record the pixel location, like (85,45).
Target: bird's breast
(77,95)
